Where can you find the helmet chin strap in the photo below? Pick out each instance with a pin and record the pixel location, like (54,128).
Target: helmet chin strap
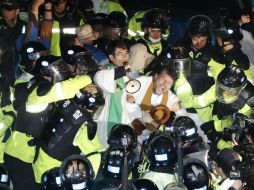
(225,45)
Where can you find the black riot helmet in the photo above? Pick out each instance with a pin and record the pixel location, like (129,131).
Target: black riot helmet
(195,174)
(51,180)
(90,98)
(98,18)
(116,25)
(30,52)
(117,19)
(77,173)
(145,184)
(114,161)
(185,128)
(230,83)
(122,135)
(155,18)
(181,60)
(227,159)
(52,66)
(199,25)
(161,152)
(4,176)
(227,30)
(80,59)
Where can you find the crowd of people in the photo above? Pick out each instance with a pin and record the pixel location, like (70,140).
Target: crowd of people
(92,99)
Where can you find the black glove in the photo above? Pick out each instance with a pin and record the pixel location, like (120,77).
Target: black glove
(227,134)
(210,131)
(44,86)
(239,116)
(91,129)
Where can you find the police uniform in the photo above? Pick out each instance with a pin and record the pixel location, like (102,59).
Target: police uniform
(10,40)
(235,56)
(203,74)
(155,19)
(21,146)
(63,30)
(162,155)
(106,6)
(229,33)
(7,115)
(224,106)
(66,134)
(153,48)
(135,30)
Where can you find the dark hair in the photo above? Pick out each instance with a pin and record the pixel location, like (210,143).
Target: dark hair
(112,45)
(169,69)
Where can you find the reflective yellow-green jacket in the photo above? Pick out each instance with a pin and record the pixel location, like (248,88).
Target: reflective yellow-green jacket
(202,103)
(248,73)
(17,145)
(45,162)
(6,120)
(113,6)
(221,124)
(135,30)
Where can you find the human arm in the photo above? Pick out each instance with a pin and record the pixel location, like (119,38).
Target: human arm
(60,91)
(7,115)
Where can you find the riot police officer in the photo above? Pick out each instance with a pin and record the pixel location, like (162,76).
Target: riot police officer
(113,169)
(11,30)
(162,156)
(226,160)
(195,77)
(195,175)
(82,61)
(205,66)
(77,173)
(71,130)
(7,113)
(51,180)
(228,34)
(119,132)
(154,24)
(48,87)
(233,94)
(116,27)
(29,53)
(192,144)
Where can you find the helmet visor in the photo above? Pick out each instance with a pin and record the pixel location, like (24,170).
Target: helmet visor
(59,71)
(76,169)
(115,33)
(35,56)
(84,63)
(182,66)
(91,99)
(227,95)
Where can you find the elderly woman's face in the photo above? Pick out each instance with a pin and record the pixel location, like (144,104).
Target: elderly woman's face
(162,83)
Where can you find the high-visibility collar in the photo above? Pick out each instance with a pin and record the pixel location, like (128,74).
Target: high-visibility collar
(64,30)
